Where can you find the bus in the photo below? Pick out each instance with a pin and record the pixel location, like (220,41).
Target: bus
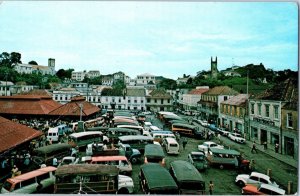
(187,178)
(158,136)
(154,154)
(187,129)
(136,141)
(45,154)
(224,157)
(138,128)
(82,139)
(28,182)
(155,179)
(120,161)
(87,179)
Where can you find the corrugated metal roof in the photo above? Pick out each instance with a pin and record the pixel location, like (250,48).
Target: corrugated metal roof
(197,91)
(237,100)
(221,90)
(160,93)
(13,134)
(73,108)
(135,92)
(27,104)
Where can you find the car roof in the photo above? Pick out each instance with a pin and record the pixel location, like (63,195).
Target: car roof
(260,175)
(197,153)
(209,142)
(273,188)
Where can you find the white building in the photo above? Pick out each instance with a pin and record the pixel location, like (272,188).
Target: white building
(29,69)
(93,74)
(190,99)
(79,75)
(145,79)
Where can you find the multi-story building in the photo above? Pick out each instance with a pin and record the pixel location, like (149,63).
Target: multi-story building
(191,99)
(159,100)
(233,113)
(145,79)
(93,74)
(272,120)
(210,101)
(136,98)
(78,75)
(29,69)
(6,88)
(64,95)
(107,80)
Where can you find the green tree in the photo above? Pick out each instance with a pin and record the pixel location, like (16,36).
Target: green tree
(32,63)
(167,83)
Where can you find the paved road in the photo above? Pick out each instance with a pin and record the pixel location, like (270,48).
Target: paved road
(224,179)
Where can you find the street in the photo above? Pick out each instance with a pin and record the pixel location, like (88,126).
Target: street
(224,179)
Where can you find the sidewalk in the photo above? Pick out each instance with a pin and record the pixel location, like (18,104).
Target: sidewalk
(270,151)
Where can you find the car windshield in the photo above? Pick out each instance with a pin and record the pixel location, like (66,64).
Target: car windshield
(197,157)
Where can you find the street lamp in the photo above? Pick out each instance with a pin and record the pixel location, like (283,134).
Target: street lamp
(81,106)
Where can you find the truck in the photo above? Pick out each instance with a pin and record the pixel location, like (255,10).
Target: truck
(133,155)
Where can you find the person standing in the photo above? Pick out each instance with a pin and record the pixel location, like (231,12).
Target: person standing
(211,187)
(184,142)
(276,147)
(15,171)
(253,147)
(55,162)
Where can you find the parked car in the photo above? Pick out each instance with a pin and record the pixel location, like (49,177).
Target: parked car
(254,178)
(223,132)
(237,138)
(125,185)
(263,189)
(208,144)
(198,159)
(204,123)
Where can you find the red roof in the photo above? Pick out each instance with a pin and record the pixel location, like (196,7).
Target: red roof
(73,108)
(27,104)
(197,91)
(13,134)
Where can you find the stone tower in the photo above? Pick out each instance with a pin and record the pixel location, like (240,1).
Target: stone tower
(214,68)
(51,62)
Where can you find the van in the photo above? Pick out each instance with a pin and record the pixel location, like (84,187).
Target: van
(155,179)
(53,134)
(171,145)
(28,182)
(187,178)
(121,162)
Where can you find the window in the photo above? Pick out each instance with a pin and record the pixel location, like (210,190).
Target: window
(276,114)
(128,100)
(155,100)
(259,108)
(267,107)
(142,101)
(162,101)
(289,120)
(252,108)
(225,98)
(148,100)
(28,182)
(254,178)
(135,101)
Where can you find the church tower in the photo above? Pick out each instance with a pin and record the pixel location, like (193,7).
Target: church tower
(214,68)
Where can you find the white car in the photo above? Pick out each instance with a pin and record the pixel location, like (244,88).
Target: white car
(254,178)
(237,138)
(206,145)
(125,185)
(204,123)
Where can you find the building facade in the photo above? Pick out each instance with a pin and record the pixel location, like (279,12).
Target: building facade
(233,113)
(210,102)
(29,69)
(159,100)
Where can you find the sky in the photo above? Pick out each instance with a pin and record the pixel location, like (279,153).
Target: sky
(161,38)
